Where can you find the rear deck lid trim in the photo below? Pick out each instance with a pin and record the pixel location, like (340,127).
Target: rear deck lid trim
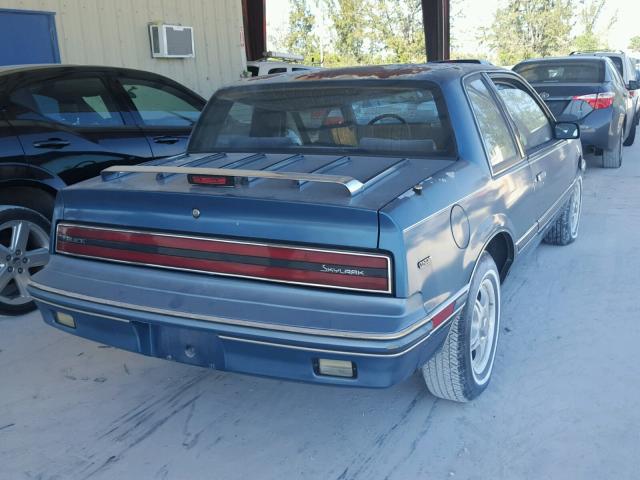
(317,267)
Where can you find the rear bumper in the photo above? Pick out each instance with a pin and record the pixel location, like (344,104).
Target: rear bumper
(380,358)
(596,130)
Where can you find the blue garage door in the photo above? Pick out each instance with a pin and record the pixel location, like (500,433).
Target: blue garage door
(28,37)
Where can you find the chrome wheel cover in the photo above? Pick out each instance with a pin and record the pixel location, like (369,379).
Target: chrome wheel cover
(574,209)
(484,327)
(24,249)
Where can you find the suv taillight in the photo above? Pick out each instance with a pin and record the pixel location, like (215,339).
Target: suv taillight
(597,100)
(317,267)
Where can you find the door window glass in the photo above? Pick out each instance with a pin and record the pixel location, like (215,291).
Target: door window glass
(493,127)
(533,125)
(161,105)
(80,102)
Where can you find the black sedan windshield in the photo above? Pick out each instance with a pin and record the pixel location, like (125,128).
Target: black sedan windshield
(374,119)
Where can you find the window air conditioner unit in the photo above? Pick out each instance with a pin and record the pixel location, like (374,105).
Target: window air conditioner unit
(171,41)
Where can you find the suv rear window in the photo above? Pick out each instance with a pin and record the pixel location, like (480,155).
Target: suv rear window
(617,61)
(342,118)
(572,71)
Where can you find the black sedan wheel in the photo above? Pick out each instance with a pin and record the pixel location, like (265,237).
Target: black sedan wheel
(632,135)
(613,158)
(24,249)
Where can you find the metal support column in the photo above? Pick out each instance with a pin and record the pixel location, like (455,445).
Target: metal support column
(435,16)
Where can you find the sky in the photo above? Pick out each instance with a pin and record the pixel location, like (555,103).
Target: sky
(479,13)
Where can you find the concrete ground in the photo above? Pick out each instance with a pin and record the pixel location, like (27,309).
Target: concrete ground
(563,403)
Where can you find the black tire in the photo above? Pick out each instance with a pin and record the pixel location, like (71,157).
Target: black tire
(613,158)
(632,135)
(11,301)
(564,229)
(449,374)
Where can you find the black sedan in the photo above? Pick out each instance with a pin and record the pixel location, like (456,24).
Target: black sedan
(590,91)
(64,124)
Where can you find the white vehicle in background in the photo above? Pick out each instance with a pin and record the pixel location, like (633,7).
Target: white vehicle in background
(274,62)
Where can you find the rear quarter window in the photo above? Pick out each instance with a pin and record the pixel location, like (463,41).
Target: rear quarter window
(562,72)
(497,138)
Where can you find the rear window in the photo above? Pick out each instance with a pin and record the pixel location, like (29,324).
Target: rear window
(345,118)
(562,72)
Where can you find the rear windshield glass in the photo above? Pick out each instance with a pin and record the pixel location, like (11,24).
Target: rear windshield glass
(562,72)
(345,118)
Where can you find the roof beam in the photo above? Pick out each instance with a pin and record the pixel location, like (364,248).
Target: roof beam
(435,16)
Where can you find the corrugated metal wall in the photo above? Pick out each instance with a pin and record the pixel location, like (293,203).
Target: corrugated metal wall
(115,32)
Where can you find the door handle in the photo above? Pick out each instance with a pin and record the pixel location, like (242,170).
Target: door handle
(541,176)
(166,139)
(51,143)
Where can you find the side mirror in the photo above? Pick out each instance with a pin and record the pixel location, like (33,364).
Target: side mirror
(633,85)
(567,131)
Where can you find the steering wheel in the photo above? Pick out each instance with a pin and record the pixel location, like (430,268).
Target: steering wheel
(387,115)
(395,117)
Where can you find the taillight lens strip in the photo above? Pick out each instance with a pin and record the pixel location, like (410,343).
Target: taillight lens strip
(314,267)
(597,101)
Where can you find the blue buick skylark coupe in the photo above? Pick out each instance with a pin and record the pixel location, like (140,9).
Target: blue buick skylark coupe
(346,227)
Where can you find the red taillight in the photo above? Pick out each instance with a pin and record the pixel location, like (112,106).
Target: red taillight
(307,266)
(213,180)
(597,101)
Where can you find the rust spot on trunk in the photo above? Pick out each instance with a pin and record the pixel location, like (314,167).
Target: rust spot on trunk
(376,71)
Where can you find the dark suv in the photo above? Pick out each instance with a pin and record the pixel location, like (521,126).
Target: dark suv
(63,124)
(587,90)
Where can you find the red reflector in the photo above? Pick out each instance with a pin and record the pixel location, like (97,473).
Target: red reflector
(442,315)
(597,101)
(214,180)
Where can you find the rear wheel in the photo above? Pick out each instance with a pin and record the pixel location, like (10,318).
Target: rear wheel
(461,370)
(632,135)
(613,158)
(24,250)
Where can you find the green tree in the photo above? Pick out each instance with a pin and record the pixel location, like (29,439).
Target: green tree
(634,43)
(301,38)
(530,28)
(396,31)
(588,17)
(349,20)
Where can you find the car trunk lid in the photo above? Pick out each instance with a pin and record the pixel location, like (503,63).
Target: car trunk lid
(273,216)
(560,98)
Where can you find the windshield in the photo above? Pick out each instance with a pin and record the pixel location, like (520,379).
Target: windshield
(570,71)
(345,118)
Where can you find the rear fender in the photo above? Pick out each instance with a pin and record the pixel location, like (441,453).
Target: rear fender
(485,232)
(23,174)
